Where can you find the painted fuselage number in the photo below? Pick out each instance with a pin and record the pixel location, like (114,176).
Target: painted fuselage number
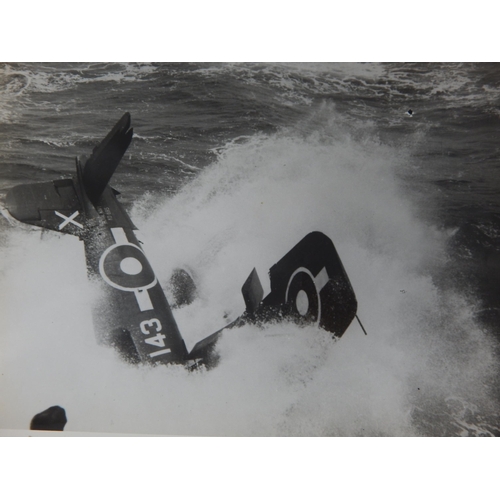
(153,327)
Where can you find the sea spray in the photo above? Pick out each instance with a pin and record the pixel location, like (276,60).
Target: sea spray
(423,357)
(261,197)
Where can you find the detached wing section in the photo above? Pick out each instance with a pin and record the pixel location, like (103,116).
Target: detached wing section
(309,285)
(52,205)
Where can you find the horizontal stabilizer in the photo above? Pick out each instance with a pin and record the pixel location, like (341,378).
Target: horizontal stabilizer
(51,205)
(100,167)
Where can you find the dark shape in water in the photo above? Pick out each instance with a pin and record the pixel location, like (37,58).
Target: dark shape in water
(183,288)
(51,419)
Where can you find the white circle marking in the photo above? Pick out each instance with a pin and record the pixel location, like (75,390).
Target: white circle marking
(304,270)
(106,278)
(130,265)
(302,302)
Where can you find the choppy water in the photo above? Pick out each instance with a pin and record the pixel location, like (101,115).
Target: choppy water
(230,166)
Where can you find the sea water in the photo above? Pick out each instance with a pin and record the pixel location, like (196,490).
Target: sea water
(230,166)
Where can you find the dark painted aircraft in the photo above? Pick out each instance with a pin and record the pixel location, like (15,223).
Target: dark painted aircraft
(308,285)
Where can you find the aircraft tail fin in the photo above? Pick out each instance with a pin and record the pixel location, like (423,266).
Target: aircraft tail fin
(105,157)
(61,205)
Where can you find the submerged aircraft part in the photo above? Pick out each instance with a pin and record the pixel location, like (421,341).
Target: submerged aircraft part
(308,285)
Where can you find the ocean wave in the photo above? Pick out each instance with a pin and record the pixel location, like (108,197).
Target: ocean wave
(57,78)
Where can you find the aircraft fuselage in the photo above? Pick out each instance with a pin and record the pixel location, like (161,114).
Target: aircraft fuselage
(308,285)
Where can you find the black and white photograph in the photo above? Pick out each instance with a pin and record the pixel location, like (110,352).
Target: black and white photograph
(250,249)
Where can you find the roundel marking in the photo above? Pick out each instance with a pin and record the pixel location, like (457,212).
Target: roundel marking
(125,267)
(302,295)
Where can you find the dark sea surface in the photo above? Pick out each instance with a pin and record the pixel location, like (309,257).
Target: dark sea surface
(230,166)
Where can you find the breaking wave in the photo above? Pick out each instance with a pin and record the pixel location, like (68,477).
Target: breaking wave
(425,367)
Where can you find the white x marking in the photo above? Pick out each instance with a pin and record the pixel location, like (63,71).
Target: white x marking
(68,220)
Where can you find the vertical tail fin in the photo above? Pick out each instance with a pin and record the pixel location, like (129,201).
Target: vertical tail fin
(100,167)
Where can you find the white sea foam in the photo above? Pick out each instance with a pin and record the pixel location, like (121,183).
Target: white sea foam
(247,210)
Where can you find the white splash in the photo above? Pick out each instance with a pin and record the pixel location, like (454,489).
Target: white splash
(247,210)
